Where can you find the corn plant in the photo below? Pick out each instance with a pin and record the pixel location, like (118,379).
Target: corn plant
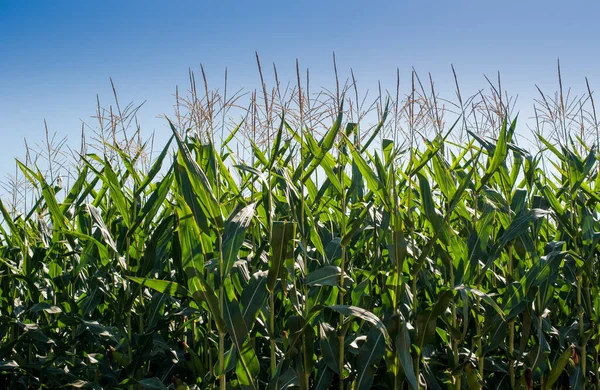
(334,259)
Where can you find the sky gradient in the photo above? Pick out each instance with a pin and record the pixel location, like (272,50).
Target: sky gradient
(58,56)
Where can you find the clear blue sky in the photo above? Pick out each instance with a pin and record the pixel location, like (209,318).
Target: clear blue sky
(56,56)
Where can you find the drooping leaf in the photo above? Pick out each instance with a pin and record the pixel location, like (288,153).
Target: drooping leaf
(233,235)
(370,354)
(365,315)
(328,275)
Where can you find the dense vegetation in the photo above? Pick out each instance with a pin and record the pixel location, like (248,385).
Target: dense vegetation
(339,259)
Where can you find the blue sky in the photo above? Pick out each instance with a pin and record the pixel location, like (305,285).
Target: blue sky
(57,56)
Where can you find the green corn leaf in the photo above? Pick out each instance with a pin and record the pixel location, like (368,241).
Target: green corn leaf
(403,346)
(253,297)
(202,292)
(329,346)
(378,127)
(283,233)
(257,152)
(324,378)
(328,275)
(373,182)
(116,193)
(286,380)
(155,169)
(369,355)
(129,163)
(231,135)
(235,324)
(152,384)
(154,202)
(75,190)
(485,297)
(443,176)
(431,211)
(365,315)
(247,366)
(96,215)
(319,152)
(56,214)
(162,286)
(192,251)
(557,368)
(432,149)
(186,191)
(551,147)
(275,150)
(442,303)
(15,232)
(199,181)
(233,235)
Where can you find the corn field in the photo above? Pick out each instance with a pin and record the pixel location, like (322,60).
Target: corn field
(320,256)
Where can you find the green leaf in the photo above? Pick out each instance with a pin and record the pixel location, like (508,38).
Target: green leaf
(283,233)
(328,275)
(501,149)
(485,297)
(557,368)
(162,286)
(275,150)
(15,232)
(232,134)
(254,297)
(199,181)
(403,346)
(443,302)
(154,202)
(152,383)
(116,192)
(287,380)
(233,235)
(370,354)
(365,315)
(75,190)
(96,215)
(202,292)
(373,181)
(155,169)
(378,127)
(329,346)
(192,251)
(431,211)
(327,143)
(324,378)
(248,365)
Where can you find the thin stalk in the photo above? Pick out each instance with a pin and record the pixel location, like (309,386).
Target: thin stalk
(454,343)
(207,347)
(411,106)
(511,325)
(306,351)
(129,327)
(581,329)
(222,380)
(415,310)
(540,325)
(272,333)
(341,335)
